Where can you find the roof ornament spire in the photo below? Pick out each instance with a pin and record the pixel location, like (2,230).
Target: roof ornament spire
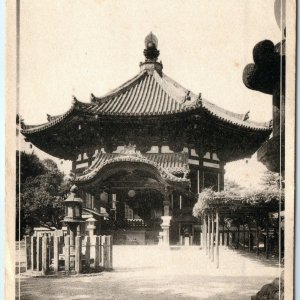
(151,54)
(151,42)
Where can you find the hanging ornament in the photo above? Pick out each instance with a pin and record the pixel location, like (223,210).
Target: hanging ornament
(104,196)
(131,193)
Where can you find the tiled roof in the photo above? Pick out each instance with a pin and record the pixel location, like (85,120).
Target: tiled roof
(168,164)
(149,94)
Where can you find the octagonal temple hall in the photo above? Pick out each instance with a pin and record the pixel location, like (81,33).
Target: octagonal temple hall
(142,153)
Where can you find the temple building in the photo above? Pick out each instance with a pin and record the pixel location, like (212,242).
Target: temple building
(141,153)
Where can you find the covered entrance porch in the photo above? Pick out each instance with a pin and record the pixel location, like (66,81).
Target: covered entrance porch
(145,204)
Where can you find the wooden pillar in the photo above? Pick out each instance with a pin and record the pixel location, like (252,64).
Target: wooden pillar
(212,237)
(45,261)
(28,252)
(205,233)
(223,235)
(78,246)
(55,253)
(228,238)
(67,253)
(97,252)
(257,239)
(209,236)
(249,238)
(87,252)
(238,237)
(102,247)
(267,240)
(217,239)
(244,237)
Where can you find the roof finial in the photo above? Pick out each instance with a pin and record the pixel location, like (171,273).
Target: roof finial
(151,42)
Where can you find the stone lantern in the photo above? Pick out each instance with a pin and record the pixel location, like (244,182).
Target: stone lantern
(73,211)
(91,226)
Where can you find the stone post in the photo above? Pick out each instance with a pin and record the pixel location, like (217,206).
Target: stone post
(166,223)
(209,236)
(39,253)
(33,253)
(28,252)
(87,252)
(67,253)
(212,237)
(55,253)
(45,261)
(217,239)
(78,245)
(97,252)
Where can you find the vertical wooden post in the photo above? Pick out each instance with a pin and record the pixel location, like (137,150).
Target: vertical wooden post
(257,239)
(78,246)
(212,237)
(244,237)
(205,233)
(45,260)
(228,238)
(87,252)
(249,238)
(267,240)
(67,253)
(223,235)
(39,253)
(97,252)
(238,237)
(33,253)
(217,239)
(28,252)
(209,236)
(55,253)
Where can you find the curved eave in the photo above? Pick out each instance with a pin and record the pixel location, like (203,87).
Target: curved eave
(85,109)
(162,172)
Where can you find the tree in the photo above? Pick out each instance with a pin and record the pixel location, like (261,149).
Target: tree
(41,193)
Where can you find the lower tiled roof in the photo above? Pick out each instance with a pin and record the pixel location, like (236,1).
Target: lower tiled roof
(168,164)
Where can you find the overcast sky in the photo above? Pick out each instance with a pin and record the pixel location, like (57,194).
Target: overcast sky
(81,47)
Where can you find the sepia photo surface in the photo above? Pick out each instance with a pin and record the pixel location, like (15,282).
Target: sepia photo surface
(150,149)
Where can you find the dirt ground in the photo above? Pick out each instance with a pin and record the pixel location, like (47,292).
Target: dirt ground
(147,272)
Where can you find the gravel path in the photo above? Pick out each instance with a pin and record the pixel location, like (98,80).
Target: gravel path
(146,272)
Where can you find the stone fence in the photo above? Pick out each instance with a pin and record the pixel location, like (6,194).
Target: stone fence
(59,254)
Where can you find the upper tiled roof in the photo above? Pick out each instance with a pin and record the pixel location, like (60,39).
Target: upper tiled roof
(149,94)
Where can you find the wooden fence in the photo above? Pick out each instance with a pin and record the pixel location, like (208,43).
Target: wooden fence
(52,254)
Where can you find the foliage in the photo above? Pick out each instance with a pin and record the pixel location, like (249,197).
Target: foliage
(41,192)
(236,199)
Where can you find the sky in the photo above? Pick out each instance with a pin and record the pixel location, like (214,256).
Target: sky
(81,47)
